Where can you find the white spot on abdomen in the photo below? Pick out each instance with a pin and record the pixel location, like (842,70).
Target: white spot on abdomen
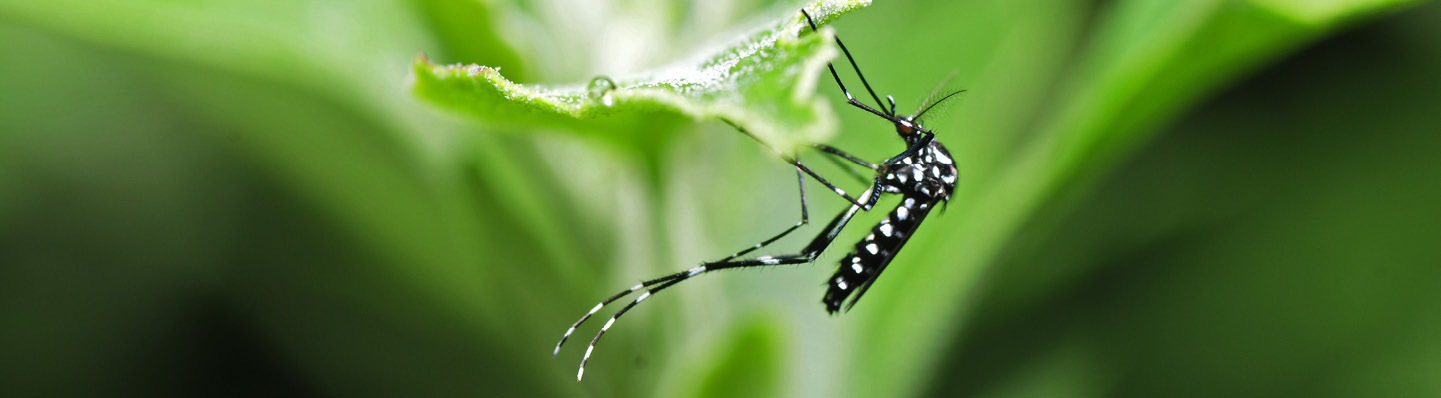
(942,158)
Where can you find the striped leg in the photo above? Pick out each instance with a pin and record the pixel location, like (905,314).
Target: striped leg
(806,255)
(888,115)
(607,301)
(850,98)
(867,84)
(875,189)
(875,185)
(666,281)
(926,138)
(836,152)
(805,219)
(851,171)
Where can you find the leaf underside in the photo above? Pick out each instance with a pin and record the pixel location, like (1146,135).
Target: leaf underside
(764,83)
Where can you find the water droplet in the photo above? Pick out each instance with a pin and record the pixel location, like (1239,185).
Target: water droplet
(600,88)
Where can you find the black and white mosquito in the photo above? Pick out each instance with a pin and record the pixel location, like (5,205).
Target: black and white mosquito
(923,174)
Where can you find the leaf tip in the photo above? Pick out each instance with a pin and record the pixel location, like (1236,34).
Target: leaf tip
(824,11)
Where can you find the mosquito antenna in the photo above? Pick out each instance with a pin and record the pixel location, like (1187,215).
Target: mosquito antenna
(930,98)
(931,101)
(933,104)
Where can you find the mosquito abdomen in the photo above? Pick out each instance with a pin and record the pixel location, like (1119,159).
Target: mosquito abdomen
(861,266)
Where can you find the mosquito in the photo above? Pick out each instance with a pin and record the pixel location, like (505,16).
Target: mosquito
(924,175)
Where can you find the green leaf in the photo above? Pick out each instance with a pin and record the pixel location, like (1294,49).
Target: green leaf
(764,83)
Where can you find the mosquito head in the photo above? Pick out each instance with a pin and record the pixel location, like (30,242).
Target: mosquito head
(907,128)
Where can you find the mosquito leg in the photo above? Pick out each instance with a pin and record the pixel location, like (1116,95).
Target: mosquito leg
(833,151)
(875,185)
(609,300)
(848,168)
(850,98)
(926,137)
(805,219)
(806,255)
(867,205)
(836,157)
(852,60)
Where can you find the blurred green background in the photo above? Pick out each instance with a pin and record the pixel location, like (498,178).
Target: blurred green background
(1189,198)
